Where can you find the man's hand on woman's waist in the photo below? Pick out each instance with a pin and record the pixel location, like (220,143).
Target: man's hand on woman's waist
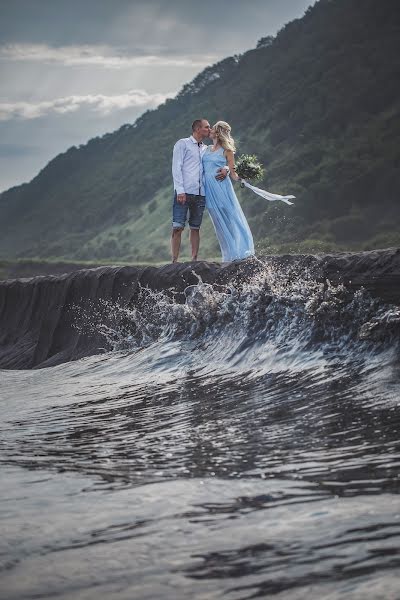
(222,173)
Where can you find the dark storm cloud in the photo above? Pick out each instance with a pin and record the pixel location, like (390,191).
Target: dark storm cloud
(154,26)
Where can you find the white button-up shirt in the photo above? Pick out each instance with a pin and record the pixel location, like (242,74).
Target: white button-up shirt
(187,166)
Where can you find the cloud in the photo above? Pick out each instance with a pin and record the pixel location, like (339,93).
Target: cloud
(98,102)
(96,55)
(17,150)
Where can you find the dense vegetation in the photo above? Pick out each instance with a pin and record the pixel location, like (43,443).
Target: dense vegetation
(319,104)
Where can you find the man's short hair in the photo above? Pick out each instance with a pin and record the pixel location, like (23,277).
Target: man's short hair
(197,124)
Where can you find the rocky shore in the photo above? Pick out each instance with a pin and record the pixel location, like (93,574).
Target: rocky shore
(37,323)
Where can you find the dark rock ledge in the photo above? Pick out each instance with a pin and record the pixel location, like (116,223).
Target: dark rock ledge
(36,323)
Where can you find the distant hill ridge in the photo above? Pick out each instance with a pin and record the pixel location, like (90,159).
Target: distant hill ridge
(319,104)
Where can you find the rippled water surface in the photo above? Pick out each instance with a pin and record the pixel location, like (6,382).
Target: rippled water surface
(241,444)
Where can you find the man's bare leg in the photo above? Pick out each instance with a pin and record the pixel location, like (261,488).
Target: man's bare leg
(195,242)
(175,244)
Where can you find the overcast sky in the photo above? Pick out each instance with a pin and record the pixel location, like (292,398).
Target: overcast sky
(74,69)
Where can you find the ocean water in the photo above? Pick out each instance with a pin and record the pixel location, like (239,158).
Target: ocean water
(242,443)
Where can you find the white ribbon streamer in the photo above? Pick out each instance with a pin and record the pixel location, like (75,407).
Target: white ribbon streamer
(268,195)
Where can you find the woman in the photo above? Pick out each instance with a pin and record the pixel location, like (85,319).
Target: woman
(232,230)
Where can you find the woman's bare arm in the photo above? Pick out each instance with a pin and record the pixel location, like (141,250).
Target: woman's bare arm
(231,164)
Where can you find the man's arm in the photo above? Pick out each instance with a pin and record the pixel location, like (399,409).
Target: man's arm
(177,164)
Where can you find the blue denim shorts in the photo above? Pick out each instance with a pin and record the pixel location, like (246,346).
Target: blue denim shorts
(195,205)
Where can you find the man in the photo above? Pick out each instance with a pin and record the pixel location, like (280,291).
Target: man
(187,172)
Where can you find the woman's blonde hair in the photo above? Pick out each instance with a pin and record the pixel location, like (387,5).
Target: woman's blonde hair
(223,133)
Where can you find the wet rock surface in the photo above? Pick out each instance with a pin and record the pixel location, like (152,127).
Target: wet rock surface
(37,317)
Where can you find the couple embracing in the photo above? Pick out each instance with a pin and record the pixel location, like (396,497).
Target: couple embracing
(200,174)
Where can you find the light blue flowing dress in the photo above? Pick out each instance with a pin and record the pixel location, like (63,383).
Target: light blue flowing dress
(232,230)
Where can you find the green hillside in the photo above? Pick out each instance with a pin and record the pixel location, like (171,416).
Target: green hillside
(319,104)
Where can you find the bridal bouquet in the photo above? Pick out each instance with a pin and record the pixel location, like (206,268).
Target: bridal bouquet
(248,167)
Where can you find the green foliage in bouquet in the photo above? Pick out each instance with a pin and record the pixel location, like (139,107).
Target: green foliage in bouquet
(249,167)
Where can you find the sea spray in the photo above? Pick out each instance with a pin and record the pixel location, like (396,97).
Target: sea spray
(287,306)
